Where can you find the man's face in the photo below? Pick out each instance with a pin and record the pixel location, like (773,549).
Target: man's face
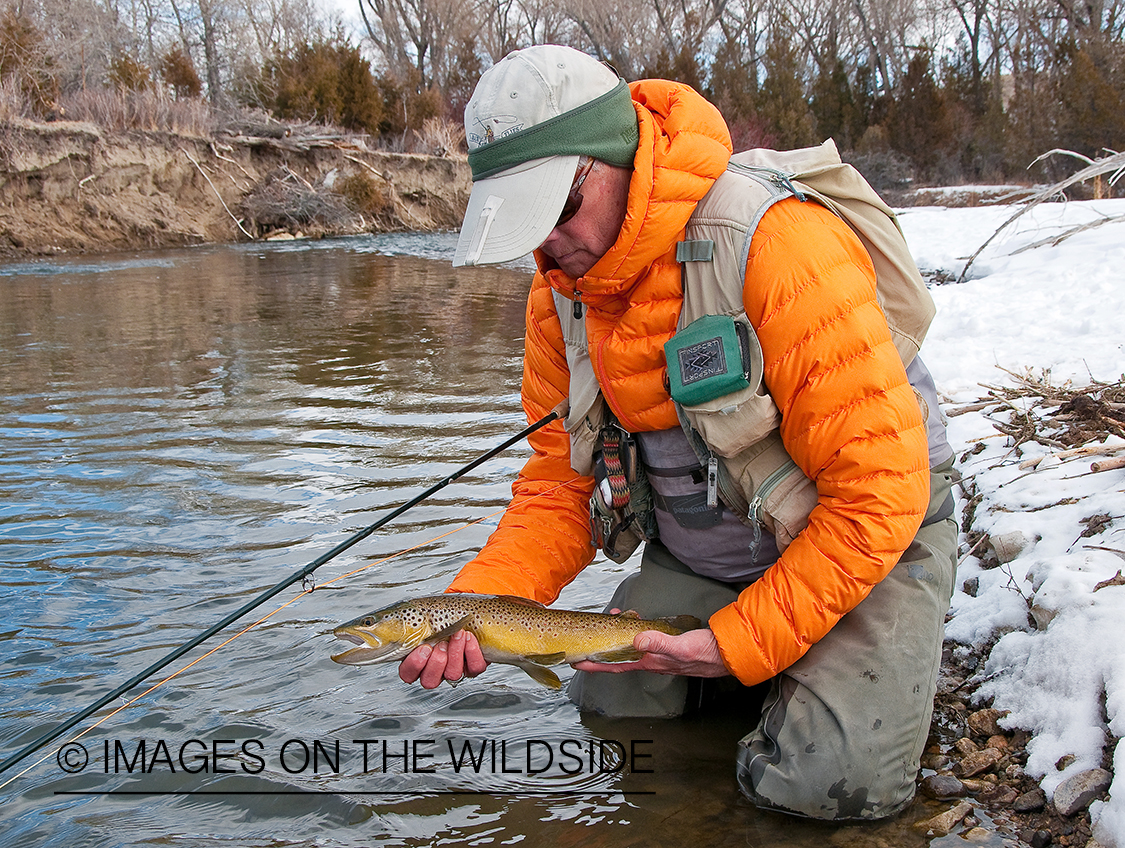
(578,244)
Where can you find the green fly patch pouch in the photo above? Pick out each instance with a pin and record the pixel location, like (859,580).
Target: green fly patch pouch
(707,359)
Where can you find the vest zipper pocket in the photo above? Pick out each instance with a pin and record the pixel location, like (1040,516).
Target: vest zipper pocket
(757,504)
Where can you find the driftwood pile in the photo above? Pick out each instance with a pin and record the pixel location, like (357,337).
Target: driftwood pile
(1074,421)
(286,201)
(262,130)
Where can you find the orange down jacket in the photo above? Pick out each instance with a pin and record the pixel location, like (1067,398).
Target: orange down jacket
(850,419)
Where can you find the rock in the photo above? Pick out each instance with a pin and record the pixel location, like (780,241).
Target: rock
(943,823)
(1064,762)
(1030,802)
(965,745)
(1077,791)
(1008,546)
(942,787)
(1042,615)
(1035,838)
(975,786)
(934,762)
(998,796)
(1014,772)
(999,742)
(977,762)
(983,722)
(978,835)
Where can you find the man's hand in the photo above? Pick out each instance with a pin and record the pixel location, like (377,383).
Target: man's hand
(694,654)
(454,660)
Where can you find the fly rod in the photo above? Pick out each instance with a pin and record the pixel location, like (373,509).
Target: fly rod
(556,413)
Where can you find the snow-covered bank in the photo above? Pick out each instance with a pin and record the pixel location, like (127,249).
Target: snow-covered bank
(1054,312)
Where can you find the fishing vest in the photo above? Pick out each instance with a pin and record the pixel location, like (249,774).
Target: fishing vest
(735,433)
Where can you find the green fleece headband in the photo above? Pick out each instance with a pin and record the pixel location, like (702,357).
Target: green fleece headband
(604,128)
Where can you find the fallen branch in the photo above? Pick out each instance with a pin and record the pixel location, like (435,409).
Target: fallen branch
(360,162)
(223,202)
(1108,464)
(1114,164)
(1085,450)
(1115,580)
(970,407)
(1073,231)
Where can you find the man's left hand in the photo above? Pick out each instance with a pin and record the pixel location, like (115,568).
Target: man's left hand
(693,654)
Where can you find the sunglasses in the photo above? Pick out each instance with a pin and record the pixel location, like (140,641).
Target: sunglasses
(574,198)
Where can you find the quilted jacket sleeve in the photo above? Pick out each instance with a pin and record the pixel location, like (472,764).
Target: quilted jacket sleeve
(543,540)
(849,419)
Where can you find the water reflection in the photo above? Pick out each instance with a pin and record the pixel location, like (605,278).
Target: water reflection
(180,430)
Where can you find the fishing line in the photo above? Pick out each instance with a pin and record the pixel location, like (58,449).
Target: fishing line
(268,615)
(250,627)
(51,735)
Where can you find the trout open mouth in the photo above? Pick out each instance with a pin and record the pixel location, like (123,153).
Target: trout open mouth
(370,649)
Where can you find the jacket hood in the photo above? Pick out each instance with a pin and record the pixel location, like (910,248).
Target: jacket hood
(684,147)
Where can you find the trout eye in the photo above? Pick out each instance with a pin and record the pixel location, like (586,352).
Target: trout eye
(369,621)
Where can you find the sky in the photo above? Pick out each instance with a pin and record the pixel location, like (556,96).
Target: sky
(1054,311)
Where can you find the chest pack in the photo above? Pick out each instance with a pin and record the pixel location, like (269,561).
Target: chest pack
(715,362)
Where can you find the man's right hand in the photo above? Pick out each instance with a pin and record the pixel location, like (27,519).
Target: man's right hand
(454,660)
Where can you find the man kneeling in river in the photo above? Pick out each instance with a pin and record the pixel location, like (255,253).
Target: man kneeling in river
(841,606)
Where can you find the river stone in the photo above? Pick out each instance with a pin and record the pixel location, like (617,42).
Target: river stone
(999,796)
(942,787)
(1030,802)
(983,722)
(934,761)
(965,745)
(977,762)
(999,742)
(978,835)
(1036,838)
(942,824)
(1077,791)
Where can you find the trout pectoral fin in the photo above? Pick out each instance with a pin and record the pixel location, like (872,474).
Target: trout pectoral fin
(446,632)
(626,654)
(541,675)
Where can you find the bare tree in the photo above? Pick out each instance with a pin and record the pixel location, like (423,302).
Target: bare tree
(416,34)
(281,26)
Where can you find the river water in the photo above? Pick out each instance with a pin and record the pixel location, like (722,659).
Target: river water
(180,431)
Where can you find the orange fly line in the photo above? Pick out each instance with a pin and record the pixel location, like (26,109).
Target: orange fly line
(265,617)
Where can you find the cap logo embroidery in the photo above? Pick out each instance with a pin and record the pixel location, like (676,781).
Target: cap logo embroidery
(487,135)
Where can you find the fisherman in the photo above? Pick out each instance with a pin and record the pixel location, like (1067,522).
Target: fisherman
(845,619)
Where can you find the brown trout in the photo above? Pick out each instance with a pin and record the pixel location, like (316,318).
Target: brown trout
(510,630)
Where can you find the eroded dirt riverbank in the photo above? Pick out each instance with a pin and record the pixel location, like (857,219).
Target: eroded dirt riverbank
(70,187)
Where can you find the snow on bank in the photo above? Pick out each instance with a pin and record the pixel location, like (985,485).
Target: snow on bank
(1058,666)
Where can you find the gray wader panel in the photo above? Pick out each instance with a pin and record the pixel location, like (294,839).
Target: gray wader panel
(841,729)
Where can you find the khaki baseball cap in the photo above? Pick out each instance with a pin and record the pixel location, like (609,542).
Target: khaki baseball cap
(531,117)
